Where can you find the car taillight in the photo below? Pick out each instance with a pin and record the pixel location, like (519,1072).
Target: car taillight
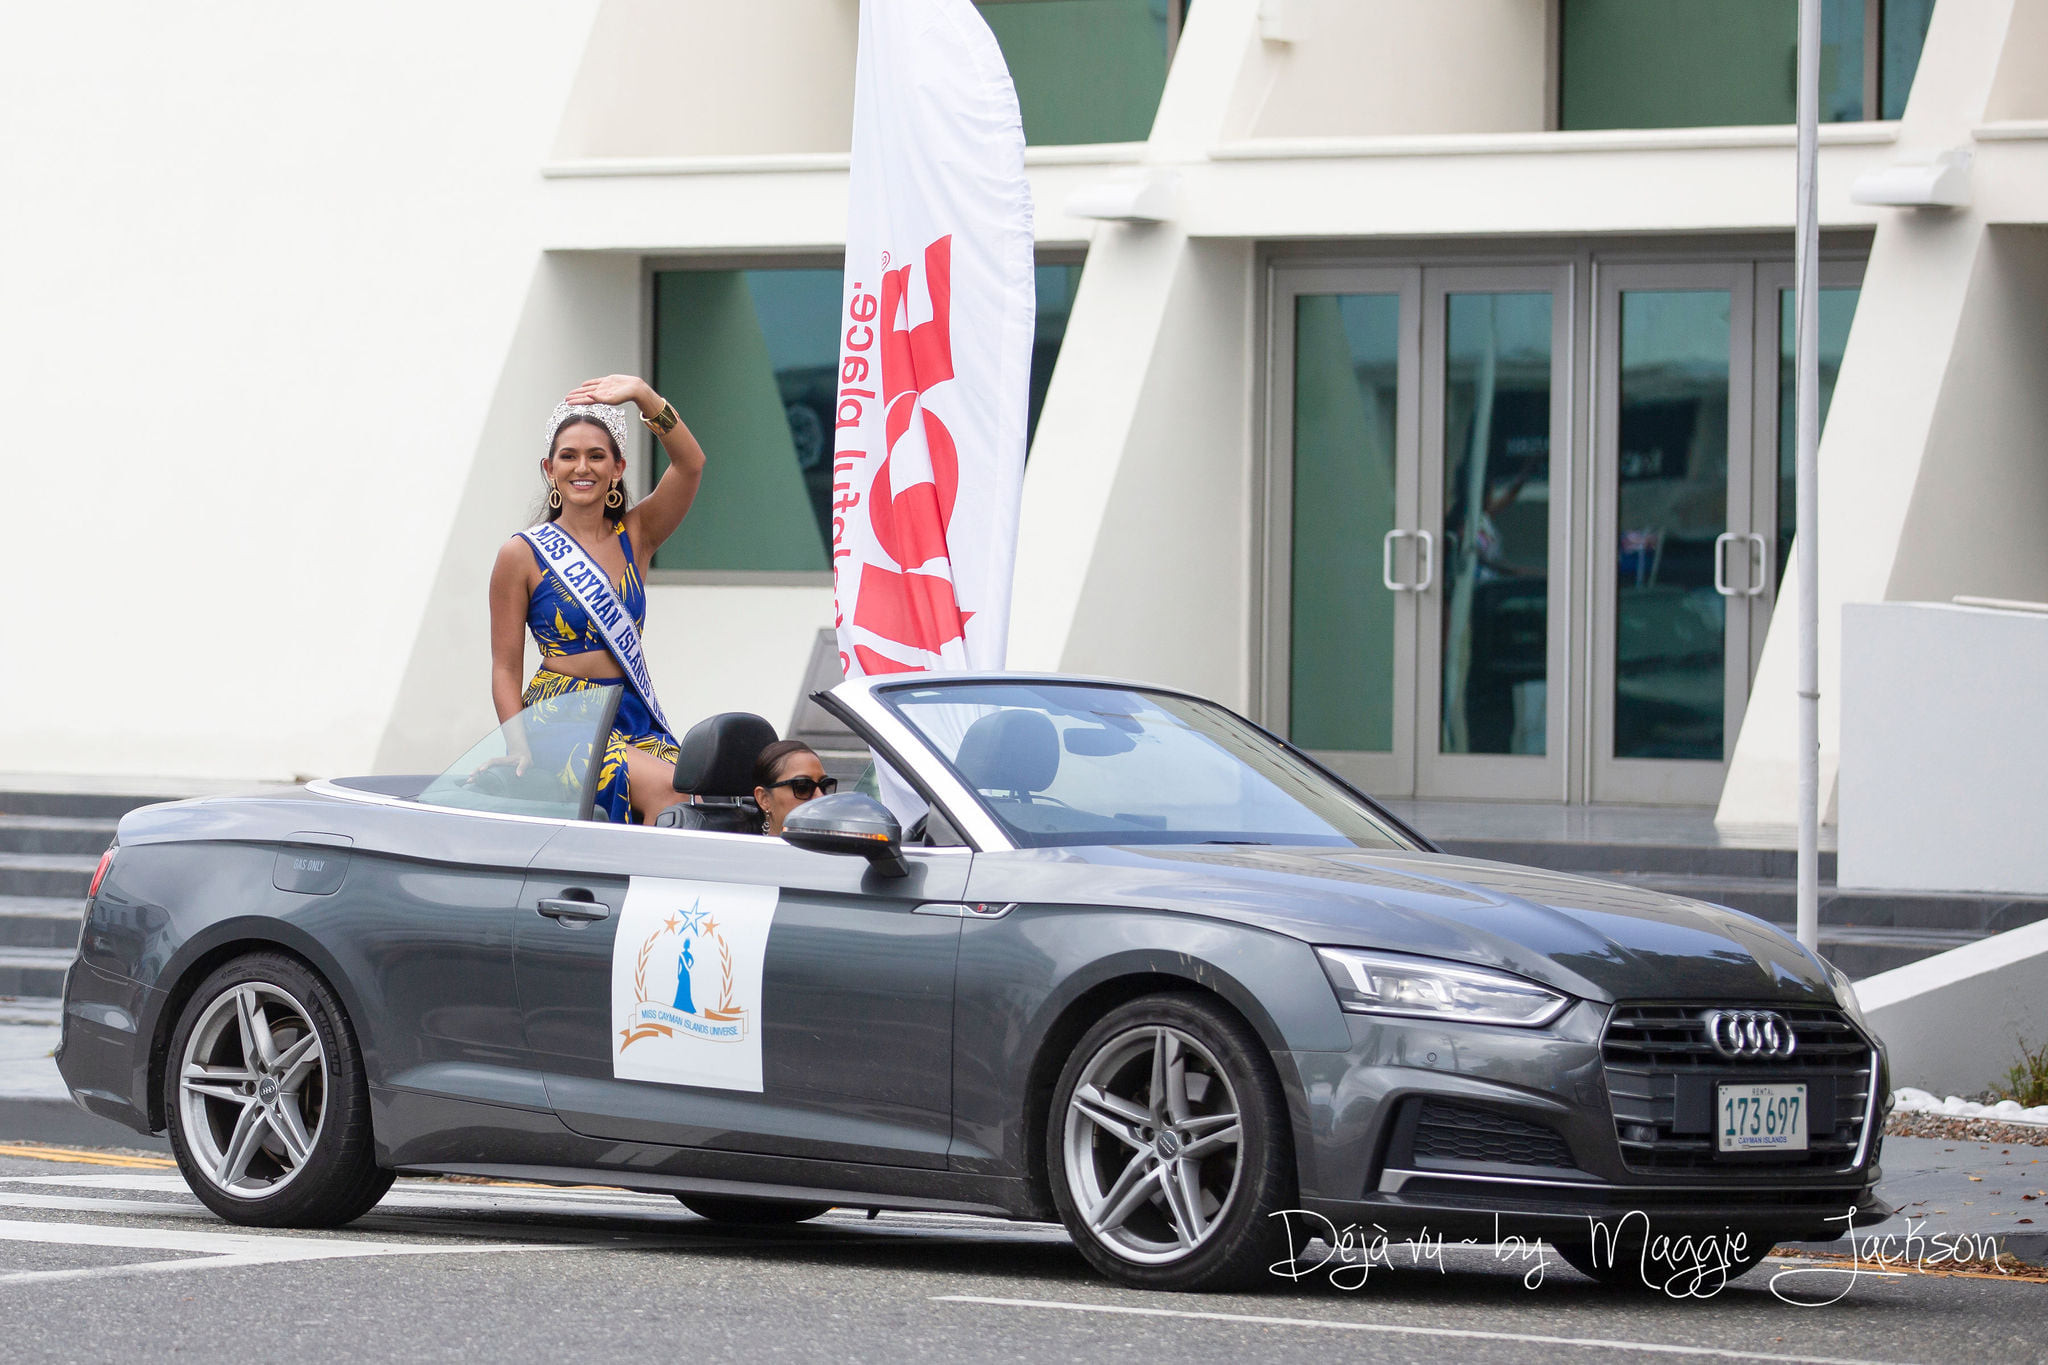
(99,874)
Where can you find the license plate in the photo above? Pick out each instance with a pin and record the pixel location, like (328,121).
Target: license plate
(1762,1118)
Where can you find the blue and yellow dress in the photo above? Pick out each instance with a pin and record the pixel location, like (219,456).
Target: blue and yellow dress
(561,628)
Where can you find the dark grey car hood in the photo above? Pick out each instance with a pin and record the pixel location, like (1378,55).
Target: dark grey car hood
(1597,940)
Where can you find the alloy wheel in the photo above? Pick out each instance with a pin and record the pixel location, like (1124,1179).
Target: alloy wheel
(1153,1144)
(252,1089)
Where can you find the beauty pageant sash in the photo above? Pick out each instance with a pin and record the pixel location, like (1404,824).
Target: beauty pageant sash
(584,581)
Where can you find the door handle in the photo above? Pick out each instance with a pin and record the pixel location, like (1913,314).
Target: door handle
(1387,561)
(564,911)
(1425,560)
(1759,564)
(1721,563)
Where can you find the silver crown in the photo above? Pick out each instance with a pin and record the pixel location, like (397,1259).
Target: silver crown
(614,421)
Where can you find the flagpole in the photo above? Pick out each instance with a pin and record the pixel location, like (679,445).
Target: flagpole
(1806,390)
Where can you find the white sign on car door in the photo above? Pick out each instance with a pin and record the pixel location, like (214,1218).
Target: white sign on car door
(686,982)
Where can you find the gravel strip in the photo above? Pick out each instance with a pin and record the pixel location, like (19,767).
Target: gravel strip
(1902,1124)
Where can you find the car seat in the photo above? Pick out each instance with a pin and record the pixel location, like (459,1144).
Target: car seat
(715,764)
(1012,753)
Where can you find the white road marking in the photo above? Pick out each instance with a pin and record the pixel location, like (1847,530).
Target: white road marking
(541,1199)
(216,1250)
(411,1207)
(219,1249)
(403,1196)
(404,1191)
(1467,1334)
(126,1181)
(63,1203)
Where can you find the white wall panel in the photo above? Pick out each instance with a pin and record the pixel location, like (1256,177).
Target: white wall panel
(1944,748)
(709,77)
(264,265)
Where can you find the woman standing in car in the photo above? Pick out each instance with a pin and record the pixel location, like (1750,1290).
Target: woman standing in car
(574,580)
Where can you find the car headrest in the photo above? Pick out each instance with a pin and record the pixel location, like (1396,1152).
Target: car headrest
(716,758)
(1012,751)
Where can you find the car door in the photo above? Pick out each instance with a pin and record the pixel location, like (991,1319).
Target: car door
(731,991)
(420,914)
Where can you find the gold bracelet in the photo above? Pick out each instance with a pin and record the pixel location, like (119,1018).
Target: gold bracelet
(662,422)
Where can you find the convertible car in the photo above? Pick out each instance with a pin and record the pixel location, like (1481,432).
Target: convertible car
(1133,964)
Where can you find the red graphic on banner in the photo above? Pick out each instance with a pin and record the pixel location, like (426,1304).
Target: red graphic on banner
(913,608)
(872,663)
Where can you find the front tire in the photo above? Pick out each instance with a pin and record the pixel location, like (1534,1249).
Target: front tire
(1168,1147)
(269,1109)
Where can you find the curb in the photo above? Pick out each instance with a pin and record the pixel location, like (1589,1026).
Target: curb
(2027,1248)
(62,1123)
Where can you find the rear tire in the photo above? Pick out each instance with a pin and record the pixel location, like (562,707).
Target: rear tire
(752,1213)
(268,1107)
(1169,1149)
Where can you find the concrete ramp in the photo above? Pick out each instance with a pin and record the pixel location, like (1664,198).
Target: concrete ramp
(1954,1022)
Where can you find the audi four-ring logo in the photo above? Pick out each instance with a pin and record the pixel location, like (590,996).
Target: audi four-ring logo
(1749,1033)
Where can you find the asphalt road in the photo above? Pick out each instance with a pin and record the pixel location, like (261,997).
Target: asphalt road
(119,1262)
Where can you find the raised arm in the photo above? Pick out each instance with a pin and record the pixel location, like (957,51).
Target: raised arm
(655,517)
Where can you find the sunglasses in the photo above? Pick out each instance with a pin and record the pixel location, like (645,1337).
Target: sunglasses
(804,788)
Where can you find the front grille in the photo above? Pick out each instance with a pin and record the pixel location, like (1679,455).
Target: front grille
(1463,1135)
(1662,1070)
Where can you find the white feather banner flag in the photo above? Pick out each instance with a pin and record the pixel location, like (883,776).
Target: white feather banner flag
(935,346)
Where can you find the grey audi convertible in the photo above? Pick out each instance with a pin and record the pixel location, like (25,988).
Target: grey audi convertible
(1135,965)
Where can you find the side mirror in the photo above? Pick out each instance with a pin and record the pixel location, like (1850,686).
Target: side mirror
(849,822)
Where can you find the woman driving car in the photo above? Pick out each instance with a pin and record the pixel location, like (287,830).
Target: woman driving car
(786,775)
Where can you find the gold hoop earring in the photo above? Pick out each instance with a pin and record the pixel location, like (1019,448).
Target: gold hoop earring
(615,499)
(554,498)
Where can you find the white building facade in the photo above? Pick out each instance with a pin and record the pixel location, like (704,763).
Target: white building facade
(1419,383)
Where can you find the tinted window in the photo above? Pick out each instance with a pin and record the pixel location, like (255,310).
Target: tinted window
(1086,70)
(1703,63)
(749,358)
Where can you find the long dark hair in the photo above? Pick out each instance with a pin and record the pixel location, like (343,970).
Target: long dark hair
(768,765)
(549,512)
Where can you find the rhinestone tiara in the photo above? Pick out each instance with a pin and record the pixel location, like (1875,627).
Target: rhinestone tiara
(614,421)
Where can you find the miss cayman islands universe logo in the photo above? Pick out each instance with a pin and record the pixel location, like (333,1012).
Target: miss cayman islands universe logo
(703,968)
(904,599)
(686,982)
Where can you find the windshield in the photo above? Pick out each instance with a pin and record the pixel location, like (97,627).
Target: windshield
(1077,763)
(536,763)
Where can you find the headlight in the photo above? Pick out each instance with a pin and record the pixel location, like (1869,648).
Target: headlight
(1418,988)
(1845,995)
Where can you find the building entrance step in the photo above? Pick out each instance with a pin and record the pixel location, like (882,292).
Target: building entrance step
(77,805)
(1777,900)
(40,921)
(1609,859)
(33,972)
(1866,952)
(55,834)
(47,874)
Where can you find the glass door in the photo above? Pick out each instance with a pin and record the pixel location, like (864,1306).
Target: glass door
(1415,600)
(1463,599)
(1495,523)
(1340,615)
(1776,442)
(1682,545)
